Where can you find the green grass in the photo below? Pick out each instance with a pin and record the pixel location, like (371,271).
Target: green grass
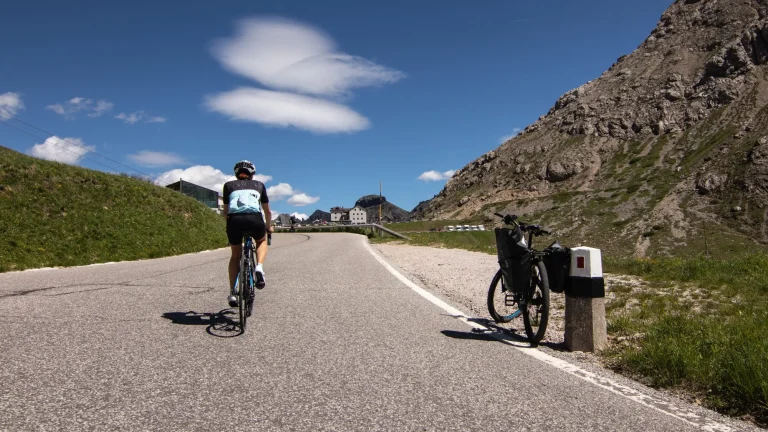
(422,225)
(718,350)
(477,241)
(700,325)
(53,214)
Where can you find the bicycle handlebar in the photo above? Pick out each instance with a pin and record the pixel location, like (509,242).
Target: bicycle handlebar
(508,219)
(512,220)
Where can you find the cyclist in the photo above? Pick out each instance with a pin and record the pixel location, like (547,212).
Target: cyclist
(247,211)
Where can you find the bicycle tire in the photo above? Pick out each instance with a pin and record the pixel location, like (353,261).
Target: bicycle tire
(497,289)
(250,292)
(242,295)
(536,311)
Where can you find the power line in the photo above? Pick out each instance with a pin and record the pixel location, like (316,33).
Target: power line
(60,146)
(10,117)
(72,143)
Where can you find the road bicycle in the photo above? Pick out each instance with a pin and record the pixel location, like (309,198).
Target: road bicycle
(246,278)
(521,285)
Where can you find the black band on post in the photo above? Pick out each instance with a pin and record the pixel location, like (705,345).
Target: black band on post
(585,287)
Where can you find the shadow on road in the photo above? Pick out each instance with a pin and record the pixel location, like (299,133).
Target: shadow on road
(496,333)
(469,335)
(218,324)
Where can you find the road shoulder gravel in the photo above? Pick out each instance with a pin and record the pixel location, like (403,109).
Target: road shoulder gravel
(461,279)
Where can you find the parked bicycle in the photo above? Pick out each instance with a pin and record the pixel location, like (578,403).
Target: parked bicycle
(521,286)
(244,284)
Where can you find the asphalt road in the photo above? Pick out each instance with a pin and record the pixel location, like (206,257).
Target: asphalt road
(337,342)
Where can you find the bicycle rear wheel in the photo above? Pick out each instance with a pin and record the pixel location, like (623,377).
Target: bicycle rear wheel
(536,310)
(242,295)
(249,292)
(501,303)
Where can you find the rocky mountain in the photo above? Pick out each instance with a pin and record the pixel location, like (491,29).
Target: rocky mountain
(420,208)
(321,215)
(370,203)
(665,149)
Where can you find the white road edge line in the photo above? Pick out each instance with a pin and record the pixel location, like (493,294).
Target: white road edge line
(677,412)
(106,263)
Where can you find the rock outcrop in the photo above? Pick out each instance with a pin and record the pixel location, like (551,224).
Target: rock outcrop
(681,121)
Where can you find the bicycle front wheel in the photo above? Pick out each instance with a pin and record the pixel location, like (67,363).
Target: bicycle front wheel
(536,310)
(501,303)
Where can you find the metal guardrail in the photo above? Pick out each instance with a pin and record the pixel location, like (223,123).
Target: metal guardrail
(376,226)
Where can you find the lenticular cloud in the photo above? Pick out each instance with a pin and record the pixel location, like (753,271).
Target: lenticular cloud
(287,109)
(294,59)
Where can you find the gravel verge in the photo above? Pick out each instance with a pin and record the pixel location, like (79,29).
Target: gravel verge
(462,279)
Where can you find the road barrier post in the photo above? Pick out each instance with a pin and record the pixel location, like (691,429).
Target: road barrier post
(585,326)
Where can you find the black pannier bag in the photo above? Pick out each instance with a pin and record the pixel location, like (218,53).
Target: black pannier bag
(514,258)
(558,264)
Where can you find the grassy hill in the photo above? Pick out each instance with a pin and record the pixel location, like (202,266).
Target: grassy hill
(53,214)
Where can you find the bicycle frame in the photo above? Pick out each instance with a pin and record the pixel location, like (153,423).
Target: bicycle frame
(534,293)
(536,257)
(248,252)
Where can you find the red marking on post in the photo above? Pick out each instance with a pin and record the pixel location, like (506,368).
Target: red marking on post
(579,262)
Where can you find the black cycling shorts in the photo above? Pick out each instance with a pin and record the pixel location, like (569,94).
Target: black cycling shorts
(246,223)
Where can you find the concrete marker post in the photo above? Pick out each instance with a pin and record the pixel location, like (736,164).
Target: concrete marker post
(585,325)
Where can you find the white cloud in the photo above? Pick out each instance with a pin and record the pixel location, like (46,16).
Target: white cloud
(279,191)
(290,55)
(80,104)
(262,178)
(302,199)
(131,118)
(57,108)
(295,197)
(505,138)
(101,107)
(10,104)
(66,150)
(137,116)
(154,159)
(203,175)
(294,57)
(287,109)
(436,175)
(299,215)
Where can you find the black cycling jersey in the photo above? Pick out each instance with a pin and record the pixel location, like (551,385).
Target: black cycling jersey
(245,196)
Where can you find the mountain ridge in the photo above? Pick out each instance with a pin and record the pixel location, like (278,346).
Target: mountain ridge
(672,135)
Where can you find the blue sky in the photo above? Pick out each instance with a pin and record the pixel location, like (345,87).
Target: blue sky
(326,98)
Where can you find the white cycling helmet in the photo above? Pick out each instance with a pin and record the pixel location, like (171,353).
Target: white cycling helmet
(245,165)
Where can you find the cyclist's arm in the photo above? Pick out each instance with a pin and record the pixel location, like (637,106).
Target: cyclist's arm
(265,207)
(267,215)
(225,195)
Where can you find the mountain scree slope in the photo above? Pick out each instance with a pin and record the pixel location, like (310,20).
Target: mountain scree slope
(665,152)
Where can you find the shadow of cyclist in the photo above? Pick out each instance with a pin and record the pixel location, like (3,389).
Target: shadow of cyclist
(219,323)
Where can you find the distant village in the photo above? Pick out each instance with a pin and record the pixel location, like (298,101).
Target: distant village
(339,215)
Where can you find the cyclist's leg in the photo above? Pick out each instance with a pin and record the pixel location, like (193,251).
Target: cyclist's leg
(234,237)
(234,263)
(259,234)
(261,250)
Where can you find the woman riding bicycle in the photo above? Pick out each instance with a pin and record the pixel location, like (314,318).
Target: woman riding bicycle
(247,211)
